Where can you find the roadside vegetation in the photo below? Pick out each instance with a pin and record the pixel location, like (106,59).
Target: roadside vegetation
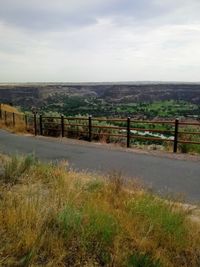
(78,128)
(9,108)
(16,124)
(53,216)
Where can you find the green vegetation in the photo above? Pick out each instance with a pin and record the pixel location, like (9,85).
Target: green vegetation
(52,216)
(158,214)
(51,127)
(142,260)
(17,167)
(167,110)
(192,137)
(97,107)
(78,128)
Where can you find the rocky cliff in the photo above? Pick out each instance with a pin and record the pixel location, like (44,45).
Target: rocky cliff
(28,95)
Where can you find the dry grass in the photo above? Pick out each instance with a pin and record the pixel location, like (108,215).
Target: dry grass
(19,126)
(53,216)
(9,108)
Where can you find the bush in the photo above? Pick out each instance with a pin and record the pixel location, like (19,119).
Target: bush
(15,167)
(142,260)
(189,148)
(94,186)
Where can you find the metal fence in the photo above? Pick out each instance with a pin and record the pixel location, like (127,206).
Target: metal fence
(123,130)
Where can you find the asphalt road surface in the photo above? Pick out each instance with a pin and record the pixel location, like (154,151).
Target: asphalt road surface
(163,174)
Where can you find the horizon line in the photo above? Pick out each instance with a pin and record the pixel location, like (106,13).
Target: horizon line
(102,82)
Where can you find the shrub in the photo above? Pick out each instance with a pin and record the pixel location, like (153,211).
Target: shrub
(116,181)
(52,124)
(192,137)
(94,186)
(184,148)
(14,168)
(142,260)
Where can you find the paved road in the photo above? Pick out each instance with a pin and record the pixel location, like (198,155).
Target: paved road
(161,173)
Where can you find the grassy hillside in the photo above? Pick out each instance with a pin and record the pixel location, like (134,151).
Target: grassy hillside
(53,216)
(9,108)
(19,123)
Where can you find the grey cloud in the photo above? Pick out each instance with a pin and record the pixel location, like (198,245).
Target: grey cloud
(55,15)
(48,40)
(39,19)
(155,13)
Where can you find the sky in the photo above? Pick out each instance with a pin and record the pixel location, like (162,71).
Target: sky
(99,40)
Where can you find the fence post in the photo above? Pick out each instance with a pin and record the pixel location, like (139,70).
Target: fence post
(13,119)
(90,128)
(41,129)
(176,135)
(0,112)
(5,117)
(128,131)
(35,123)
(62,126)
(26,121)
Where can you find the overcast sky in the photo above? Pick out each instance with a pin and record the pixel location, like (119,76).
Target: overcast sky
(99,40)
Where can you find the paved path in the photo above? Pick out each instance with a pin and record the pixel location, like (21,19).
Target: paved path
(161,173)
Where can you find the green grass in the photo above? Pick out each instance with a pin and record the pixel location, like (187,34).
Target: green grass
(142,260)
(99,107)
(98,232)
(160,217)
(70,220)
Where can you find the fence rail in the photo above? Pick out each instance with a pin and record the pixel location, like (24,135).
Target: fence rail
(92,128)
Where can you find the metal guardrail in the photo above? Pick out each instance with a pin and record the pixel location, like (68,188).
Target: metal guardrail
(38,124)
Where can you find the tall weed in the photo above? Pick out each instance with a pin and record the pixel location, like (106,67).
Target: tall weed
(15,167)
